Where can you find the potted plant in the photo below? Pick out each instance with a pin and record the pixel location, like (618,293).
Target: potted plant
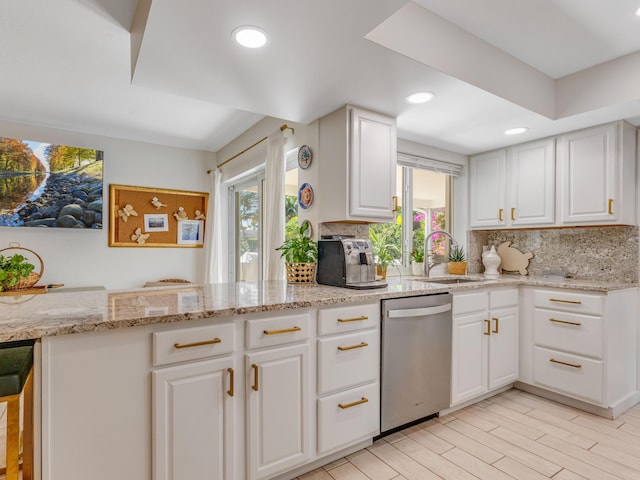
(417,262)
(384,251)
(12,270)
(457,261)
(301,255)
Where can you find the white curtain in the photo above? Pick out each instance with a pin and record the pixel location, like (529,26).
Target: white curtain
(274,207)
(213,235)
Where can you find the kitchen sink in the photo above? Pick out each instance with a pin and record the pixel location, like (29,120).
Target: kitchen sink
(448,281)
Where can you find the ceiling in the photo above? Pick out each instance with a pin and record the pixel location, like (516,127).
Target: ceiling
(550,65)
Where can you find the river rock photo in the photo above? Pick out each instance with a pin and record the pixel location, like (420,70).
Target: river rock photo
(45,185)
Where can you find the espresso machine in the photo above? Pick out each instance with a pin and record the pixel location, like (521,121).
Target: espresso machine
(346,261)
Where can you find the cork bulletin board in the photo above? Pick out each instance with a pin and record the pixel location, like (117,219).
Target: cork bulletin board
(156,217)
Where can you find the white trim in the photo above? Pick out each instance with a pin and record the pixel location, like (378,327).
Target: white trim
(417,161)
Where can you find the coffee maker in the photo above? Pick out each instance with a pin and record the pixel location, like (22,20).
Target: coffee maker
(345,261)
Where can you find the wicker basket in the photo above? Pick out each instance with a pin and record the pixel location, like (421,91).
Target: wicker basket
(457,268)
(34,277)
(301,272)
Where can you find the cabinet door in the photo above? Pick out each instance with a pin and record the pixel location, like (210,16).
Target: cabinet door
(372,165)
(503,347)
(278,410)
(532,184)
(487,192)
(469,356)
(589,165)
(192,421)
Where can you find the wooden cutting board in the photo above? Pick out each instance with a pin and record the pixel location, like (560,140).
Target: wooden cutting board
(513,260)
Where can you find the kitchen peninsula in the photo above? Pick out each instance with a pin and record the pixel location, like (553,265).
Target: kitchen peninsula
(150,374)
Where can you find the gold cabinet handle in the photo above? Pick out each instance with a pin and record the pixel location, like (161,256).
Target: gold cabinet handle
(500,214)
(395,203)
(231,381)
(284,330)
(488,332)
(513,214)
(255,385)
(553,360)
(351,347)
(197,344)
(559,300)
(354,319)
(566,322)
(610,206)
(353,404)
(496,320)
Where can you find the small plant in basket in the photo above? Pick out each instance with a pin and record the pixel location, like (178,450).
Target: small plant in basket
(301,254)
(457,261)
(12,270)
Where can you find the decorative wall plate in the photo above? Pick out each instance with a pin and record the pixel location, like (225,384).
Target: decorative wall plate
(304,156)
(305,195)
(308,229)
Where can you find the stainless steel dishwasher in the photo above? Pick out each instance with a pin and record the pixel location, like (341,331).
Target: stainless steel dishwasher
(416,359)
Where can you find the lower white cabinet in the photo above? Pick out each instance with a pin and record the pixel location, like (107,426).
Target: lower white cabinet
(193,420)
(485,342)
(278,410)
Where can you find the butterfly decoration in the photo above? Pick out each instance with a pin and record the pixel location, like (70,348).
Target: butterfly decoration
(157,203)
(139,237)
(200,215)
(126,212)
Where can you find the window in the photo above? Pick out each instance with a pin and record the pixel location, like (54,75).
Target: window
(424,199)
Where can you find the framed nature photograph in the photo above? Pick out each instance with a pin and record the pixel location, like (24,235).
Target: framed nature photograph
(49,185)
(156,222)
(190,232)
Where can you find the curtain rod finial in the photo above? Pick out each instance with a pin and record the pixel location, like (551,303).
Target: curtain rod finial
(284,127)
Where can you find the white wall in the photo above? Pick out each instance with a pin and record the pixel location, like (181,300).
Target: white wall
(82,257)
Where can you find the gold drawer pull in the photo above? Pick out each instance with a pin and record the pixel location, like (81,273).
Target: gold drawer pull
(353,404)
(284,330)
(395,203)
(231,381)
(553,360)
(351,347)
(496,320)
(255,385)
(354,319)
(610,207)
(488,332)
(559,300)
(513,214)
(197,344)
(500,214)
(577,324)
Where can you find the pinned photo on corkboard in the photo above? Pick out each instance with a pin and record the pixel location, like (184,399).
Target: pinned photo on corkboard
(156,217)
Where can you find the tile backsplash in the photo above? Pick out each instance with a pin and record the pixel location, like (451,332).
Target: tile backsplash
(589,253)
(358,230)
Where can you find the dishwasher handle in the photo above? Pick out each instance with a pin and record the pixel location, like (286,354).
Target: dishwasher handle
(418,312)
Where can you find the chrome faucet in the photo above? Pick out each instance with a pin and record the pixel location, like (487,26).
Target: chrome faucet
(427,249)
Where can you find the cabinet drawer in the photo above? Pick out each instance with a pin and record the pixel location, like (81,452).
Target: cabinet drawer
(569,301)
(347,319)
(581,379)
(503,298)
(571,332)
(470,302)
(348,416)
(266,332)
(348,360)
(185,344)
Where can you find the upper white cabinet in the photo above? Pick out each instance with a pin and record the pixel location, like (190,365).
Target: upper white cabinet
(513,187)
(596,175)
(357,181)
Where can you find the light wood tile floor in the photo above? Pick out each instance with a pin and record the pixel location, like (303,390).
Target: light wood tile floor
(513,435)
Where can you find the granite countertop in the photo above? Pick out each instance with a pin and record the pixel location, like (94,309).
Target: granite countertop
(62,313)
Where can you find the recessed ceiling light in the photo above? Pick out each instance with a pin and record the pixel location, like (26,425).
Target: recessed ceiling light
(516,131)
(638,12)
(420,97)
(250,37)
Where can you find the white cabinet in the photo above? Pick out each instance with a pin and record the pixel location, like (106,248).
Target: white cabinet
(278,395)
(348,376)
(485,343)
(513,187)
(596,175)
(193,420)
(357,180)
(582,344)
